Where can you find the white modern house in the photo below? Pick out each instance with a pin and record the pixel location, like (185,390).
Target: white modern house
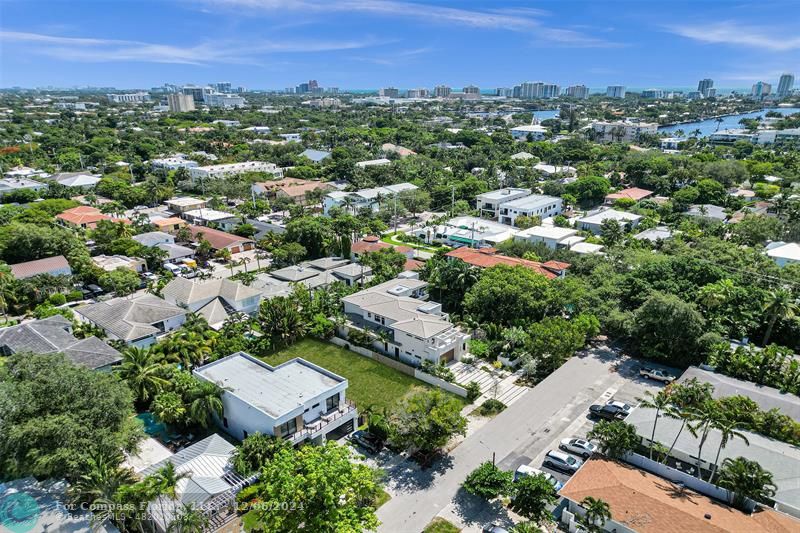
(529,131)
(551,236)
(622,131)
(365,198)
(418,329)
(234,169)
(214,299)
(594,221)
(488,203)
(784,253)
(466,230)
(374,163)
(297,401)
(534,205)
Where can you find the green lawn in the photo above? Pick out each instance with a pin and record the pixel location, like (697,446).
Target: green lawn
(440,525)
(369,381)
(391,239)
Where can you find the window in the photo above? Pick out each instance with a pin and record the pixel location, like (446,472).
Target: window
(245,434)
(224,422)
(315,406)
(332,403)
(289,428)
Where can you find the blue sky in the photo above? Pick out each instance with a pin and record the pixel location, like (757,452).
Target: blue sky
(374,43)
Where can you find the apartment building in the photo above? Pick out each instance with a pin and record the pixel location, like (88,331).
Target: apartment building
(534,205)
(488,203)
(622,131)
(234,169)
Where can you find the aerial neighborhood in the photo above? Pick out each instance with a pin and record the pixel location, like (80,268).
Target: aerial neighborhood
(424,310)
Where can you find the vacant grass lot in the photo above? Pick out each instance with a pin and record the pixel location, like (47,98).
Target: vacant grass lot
(369,382)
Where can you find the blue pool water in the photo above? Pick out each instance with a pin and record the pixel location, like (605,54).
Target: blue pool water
(153,427)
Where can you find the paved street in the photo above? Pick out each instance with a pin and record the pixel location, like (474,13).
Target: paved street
(521,433)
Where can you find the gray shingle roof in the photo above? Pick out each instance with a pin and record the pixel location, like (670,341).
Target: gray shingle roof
(53,335)
(130,318)
(183,291)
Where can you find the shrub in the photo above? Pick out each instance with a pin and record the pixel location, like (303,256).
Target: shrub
(473,391)
(487,481)
(57,299)
(491,407)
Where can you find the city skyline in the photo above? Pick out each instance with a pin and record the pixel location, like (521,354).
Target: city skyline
(366,44)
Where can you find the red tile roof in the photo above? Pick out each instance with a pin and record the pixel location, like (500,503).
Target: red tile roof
(634,193)
(218,239)
(651,504)
(488,257)
(87,215)
(413,264)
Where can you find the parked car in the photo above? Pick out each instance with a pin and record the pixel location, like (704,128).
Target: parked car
(580,447)
(620,405)
(562,462)
(608,412)
(656,374)
(526,470)
(366,440)
(494,528)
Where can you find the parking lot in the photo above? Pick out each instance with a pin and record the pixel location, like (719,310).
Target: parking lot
(573,420)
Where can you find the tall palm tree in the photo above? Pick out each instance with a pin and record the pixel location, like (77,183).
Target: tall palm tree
(142,373)
(728,431)
(684,415)
(597,512)
(746,479)
(101,478)
(781,304)
(703,419)
(206,401)
(659,401)
(166,481)
(189,520)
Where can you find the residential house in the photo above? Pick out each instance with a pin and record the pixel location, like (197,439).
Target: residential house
(784,253)
(709,211)
(215,299)
(418,329)
(154,238)
(234,169)
(185,203)
(86,217)
(488,203)
(466,231)
(136,320)
(585,248)
(373,163)
(323,272)
(109,263)
(206,216)
(76,180)
(402,151)
(168,224)
(555,170)
(297,401)
(779,458)
(219,239)
(175,252)
(526,132)
(552,237)
(622,131)
(522,156)
(294,189)
(209,483)
(659,233)
(53,335)
(488,257)
(365,198)
(54,266)
(535,205)
(372,244)
(633,193)
(594,221)
(316,156)
(12,185)
(643,502)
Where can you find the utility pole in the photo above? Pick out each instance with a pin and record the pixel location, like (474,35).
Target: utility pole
(472,238)
(395,213)
(453,202)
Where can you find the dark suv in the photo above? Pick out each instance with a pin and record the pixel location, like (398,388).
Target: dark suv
(607,412)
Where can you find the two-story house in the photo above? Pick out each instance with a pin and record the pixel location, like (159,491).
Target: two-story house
(535,205)
(418,329)
(296,400)
(213,299)
(488,203)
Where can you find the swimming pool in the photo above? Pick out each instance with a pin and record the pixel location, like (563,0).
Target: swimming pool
(153,427)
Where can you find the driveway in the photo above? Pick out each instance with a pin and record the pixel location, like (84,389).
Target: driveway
(524,431)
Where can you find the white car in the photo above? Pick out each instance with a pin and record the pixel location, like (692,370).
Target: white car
(620,405)
(580,447)
(525,471)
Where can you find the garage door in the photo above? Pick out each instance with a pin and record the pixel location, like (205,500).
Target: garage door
(448,356)
(341,431)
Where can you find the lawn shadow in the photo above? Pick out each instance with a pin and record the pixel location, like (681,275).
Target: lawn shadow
(409,476)
(475,511)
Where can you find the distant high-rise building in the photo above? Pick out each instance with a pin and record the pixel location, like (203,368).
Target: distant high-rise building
(198,93)
(312,84)
(615,91)
(539,89)
(417,93)
(442,91)
(129,98)
(516,92)
(580,92)
(653,93)
(550,90)
(471,89)
(704,87)
(223,87)
(289,90)
(503,91)
(303,88)
(389,92)
(332,90)
(785,84)
(761,89)
(180,102)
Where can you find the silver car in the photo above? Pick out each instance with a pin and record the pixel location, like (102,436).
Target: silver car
(580,447)
(562,462)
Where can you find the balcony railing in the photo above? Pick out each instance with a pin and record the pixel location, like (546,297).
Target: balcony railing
(311,429)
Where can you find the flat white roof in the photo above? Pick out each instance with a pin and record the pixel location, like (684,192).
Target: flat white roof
(548,232)
(585,248)
(529,127)
(531,202)
(787,251)
(598,218)
(500,194)
(208,214)
(273,390)
(184,201)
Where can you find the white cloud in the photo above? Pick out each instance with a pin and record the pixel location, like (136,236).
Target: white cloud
(512,19)
(114,50)
(733,33)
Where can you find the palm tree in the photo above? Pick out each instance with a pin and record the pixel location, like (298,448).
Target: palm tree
(384,337)
(224,255)
(244,262)
(102,478)
(684,415)
(780,305)
(697,132)
(728,431)
(189,520)
(659,402)
(719,120)
(166,481)
(703,419)
(206,401)
(746,479)
(596,511)
(142,373)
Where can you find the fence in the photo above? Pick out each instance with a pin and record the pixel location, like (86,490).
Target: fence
(401,367)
